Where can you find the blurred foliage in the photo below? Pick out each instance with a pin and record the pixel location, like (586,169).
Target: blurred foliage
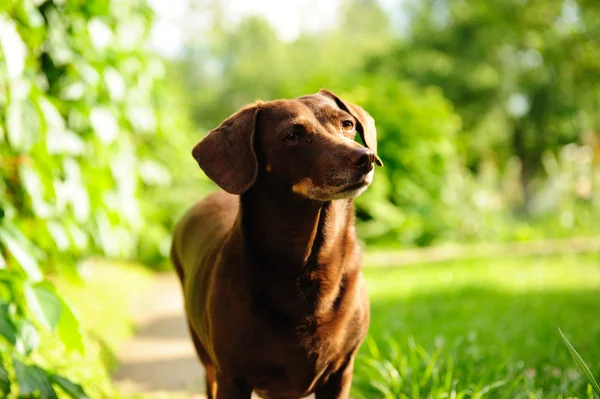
(522,75)
(417,131)
(86,126)
(487,112)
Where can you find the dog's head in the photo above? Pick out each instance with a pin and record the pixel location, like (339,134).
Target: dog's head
(305,145)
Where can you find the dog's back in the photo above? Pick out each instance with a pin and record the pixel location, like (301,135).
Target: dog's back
(207,223)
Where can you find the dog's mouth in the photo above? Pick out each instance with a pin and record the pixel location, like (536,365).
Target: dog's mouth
(354,186)
(334,191)
(359,186)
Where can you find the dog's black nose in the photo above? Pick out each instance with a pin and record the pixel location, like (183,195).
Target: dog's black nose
(362,158)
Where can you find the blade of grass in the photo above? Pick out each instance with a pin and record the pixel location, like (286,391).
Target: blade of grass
(511,388)
(583,368)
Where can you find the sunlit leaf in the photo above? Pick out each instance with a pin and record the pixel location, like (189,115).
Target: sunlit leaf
(33,17)
(131,33)
(7,209)
(69,329)
(33,379)
(4,381)
(89,74)
(7,328)
(58,48)
(64,142)
(5,290)
(27,262)
(20,89)
(14,125)
(153,173)
(13,48)
(106,237)
(53,119)
(72,191)
(100,33)
(73,390)
(114,83)
(79,237)
(22,124)
(104,124)
(34,187)
(59,235)
(28,338)
(44,305)
(142,119)
(74,91)
(583,368)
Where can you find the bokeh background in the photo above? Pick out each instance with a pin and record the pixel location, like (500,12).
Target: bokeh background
(481,233)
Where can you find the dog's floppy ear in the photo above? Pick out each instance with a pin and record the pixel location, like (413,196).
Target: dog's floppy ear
(366,123)
(227,153)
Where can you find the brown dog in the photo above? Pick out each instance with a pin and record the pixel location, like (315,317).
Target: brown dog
(274,294)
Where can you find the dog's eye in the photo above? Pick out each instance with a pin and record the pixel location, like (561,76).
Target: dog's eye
(291,138)
(347,126)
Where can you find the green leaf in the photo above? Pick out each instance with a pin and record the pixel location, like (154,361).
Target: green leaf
(587,374)
(22,123)
(4,381)
(14,125)
(34,187)
(52,118)
(31,14)
(69,329)
(59,235)
(10,277)
(13,48)
(27,262)
(7,328)
(28,338)
(44,305)
(104,124)
(33,379)
(64,142)
(5,291)
(73,390)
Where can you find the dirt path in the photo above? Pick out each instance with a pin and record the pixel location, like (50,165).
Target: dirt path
(160,360)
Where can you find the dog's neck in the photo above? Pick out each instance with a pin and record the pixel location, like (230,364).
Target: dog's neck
(298,244)
(291,229)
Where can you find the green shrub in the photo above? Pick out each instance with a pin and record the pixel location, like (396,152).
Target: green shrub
(86,127)
(417,131)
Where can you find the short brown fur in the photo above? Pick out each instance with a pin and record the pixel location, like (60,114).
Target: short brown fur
(270,269)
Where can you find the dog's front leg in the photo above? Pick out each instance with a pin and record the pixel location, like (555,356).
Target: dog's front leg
(338,384)
(232,388)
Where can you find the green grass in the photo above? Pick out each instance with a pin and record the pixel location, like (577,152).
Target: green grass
(581,365)
(476,329)
(481,329)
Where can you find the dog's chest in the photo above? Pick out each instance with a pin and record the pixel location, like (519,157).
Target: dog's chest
(295,366)
(296,376)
